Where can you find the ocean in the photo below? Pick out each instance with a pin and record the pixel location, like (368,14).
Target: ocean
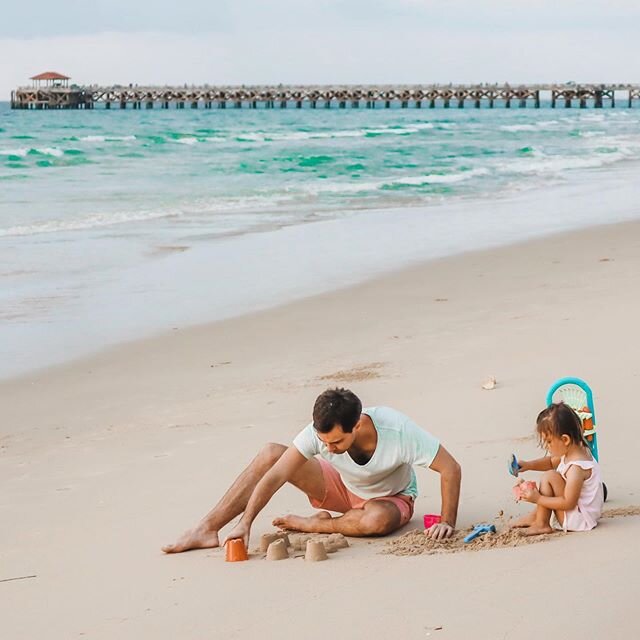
(115,225)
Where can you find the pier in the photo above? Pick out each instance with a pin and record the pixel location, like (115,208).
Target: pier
(56,93)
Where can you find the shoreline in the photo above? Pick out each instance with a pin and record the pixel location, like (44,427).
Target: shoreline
(265,270)
(142,348)
(282,307)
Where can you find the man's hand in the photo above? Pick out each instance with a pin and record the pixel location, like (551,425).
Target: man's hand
(450,476)
(241,530)
(440,531)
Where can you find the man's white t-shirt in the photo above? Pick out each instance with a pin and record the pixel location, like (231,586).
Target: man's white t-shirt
(401,444)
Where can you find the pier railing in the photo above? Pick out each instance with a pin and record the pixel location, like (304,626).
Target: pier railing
(347,96)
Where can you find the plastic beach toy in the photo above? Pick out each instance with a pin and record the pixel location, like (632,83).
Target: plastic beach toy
(432,518)
(236,551)
(480,530)
(517,489)
(514,467)
(578,395)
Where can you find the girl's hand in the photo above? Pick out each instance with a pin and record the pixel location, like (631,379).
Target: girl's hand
(529,492)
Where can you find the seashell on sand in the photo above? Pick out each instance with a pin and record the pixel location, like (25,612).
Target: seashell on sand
(490,383)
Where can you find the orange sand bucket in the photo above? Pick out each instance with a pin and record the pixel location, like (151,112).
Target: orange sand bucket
(236,550)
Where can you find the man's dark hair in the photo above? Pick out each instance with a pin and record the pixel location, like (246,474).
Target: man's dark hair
(336,406)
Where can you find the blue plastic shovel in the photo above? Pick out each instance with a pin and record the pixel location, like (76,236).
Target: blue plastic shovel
(480,530)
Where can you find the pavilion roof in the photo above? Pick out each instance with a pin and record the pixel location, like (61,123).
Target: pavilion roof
(50,75)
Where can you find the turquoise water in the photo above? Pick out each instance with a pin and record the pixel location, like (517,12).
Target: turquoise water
(184,173)
(103,208)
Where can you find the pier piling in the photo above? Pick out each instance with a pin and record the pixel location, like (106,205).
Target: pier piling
(65,96)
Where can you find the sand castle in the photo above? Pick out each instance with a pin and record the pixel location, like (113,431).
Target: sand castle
(268,538)
(313,547)
(336,541)
(299,541)
(277,550)
(316,551)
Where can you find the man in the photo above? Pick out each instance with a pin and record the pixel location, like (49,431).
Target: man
(354,462)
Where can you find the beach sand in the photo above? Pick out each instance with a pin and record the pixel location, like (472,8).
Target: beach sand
(105,459)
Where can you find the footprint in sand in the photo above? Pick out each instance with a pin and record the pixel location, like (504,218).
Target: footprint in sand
(355,374)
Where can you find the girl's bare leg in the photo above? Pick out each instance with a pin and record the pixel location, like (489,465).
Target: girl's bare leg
(552,484)
(524,521)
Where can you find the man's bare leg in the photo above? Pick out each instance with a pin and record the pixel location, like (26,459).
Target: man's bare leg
(205,534)
(374,519)
(551,484)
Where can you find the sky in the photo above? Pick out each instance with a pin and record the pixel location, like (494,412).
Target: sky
(320,42)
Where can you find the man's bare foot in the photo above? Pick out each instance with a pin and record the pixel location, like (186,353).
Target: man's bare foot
(536,530)
(524,521)
(197,538)
(312,524)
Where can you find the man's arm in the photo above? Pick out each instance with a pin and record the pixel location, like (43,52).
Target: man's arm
(450,477)
(282,471)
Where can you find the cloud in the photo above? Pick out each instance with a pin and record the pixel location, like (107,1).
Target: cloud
(43,18)
(340,55)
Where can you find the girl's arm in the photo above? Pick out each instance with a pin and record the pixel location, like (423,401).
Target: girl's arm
(539,464)
(575,479)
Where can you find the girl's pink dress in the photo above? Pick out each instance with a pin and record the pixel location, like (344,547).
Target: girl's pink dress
(584,516)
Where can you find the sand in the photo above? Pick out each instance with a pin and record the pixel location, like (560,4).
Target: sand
(415,542)
(105,459)
(621,512)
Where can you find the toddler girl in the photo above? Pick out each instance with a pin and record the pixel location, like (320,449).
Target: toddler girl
(570,496)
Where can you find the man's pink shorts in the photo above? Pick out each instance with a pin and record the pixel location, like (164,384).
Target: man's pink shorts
(338,498)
